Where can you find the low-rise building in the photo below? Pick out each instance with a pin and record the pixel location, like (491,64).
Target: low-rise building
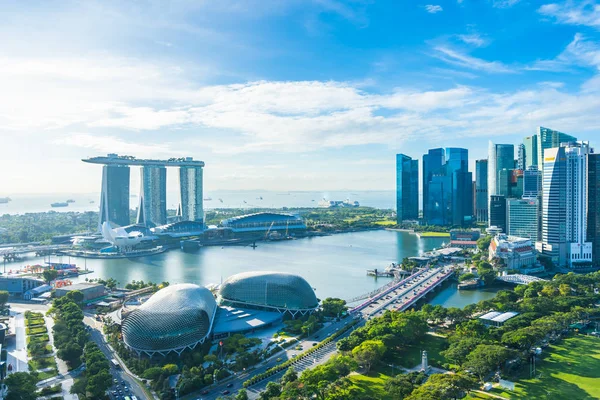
(465,239)
(517,252)
(497,318)
(90,290)
(18,285)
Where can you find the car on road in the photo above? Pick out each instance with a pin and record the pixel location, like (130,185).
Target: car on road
(225,392)
(230,385)
(204,392)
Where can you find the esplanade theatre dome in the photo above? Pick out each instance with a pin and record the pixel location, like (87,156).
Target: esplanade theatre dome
(270,290)
(173,319)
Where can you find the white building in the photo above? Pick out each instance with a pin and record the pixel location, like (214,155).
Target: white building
(564,199)
(517,252)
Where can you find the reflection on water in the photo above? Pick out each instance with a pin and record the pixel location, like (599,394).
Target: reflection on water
(450,296)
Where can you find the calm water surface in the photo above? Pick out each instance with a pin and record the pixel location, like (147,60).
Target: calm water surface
(334,265)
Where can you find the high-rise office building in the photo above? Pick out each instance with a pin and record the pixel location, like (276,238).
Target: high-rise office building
(530,151)
(532,182)
(190,190)
(498,212)
(521,157)
(433,163)
(593,218)
(440,200)
(500,156)
(457,164)
(114,197)
(522,218)
(152,210)
(579,250)
(481,190)
(548,139)
(565,202)
(407,188)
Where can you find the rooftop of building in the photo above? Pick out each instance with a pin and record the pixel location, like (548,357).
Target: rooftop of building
(261,217)
(234,319)
(80,286)
(115,159)
(497,316)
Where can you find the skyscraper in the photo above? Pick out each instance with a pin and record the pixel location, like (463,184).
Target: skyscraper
(532,182)
(152,210)
(565,202)
(498,212)
(481,190)
(593,218)
(530,151)
(407,188)
(579,250)
(433,163)
(500,156)
(190,190)
(522,218)
(521,157)
(548,139)
(114,198)
(457,164)
(440,200)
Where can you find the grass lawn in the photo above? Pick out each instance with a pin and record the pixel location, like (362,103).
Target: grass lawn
(571,371)
(386,222)
(47,374)
(433,234)
(42,362)
(35,330)
(34,322)
(370,386)
(410,357)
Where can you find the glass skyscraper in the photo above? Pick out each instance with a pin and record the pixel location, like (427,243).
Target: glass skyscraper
(481,190)
(190,191)
(593,217)
(522,218)
(114,197)
(407,188)
(498,212)
(532,182)
(152,210)
(440,200)
(433,163)
(548,139)
(530,151)
(500,156)
(457,164)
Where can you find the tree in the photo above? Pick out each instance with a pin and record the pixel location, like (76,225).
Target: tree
(522,338)
(50,275)
(564,289)
(71,353)
(3,298)
(443,387)
(466,277)
(76,296)
(21,386)
(487,358)
(459,349)
(399,387)
(368,353)
(242,394)
(333,307)
(290,376)
(483,243)
(98,384)
(273,390)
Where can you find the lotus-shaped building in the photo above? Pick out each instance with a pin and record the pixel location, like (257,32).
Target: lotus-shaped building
(269,290)
(175,318)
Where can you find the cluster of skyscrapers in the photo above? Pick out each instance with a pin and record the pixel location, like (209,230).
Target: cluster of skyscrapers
(152,209)
(549,193)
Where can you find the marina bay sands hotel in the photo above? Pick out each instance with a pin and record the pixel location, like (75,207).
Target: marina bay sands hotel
(152,210)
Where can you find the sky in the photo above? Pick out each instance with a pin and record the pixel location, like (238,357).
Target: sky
(285,94)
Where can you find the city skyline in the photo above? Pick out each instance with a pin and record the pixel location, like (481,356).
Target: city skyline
(324,104)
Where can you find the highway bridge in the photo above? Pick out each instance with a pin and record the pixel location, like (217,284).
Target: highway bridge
(405,293)
(12,253)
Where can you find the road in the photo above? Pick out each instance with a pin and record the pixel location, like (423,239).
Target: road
(403,295)
(125,383)
(237,381)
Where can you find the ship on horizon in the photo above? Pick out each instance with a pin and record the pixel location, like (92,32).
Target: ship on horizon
(5,200)
(59,204)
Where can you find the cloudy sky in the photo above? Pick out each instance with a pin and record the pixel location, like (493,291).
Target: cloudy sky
(285,94)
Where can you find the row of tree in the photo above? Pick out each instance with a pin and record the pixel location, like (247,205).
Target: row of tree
(96,379)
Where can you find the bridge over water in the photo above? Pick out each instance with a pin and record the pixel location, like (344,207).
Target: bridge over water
(520,279)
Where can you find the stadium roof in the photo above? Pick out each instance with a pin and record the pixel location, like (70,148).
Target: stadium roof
(499,316)
(173,319)
(276,290)
(261,217)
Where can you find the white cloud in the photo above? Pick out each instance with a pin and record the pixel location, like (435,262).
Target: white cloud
(579,52)
(433,9)
(579,12)
(473,39)
(464,60)
(113,144)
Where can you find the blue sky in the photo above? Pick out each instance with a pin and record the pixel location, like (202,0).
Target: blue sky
(285,95)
